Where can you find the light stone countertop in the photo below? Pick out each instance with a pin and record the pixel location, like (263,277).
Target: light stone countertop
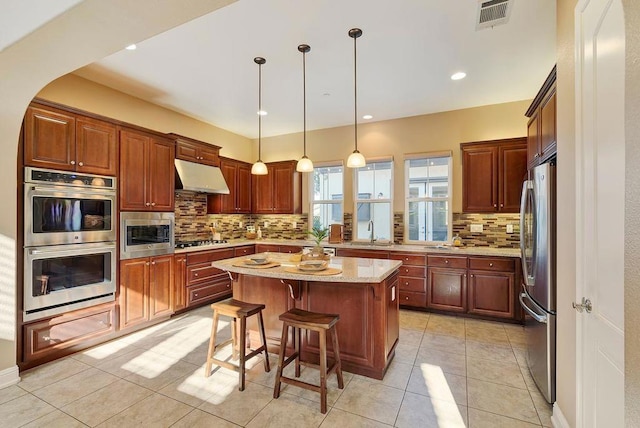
(354,270)
(431,250)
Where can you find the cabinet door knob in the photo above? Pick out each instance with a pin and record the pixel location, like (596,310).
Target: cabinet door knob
(490,264)
(501,205)
(406,283)
(495,205)
(147,204)
(153,204)
(72,162)
(406,298)
(153,263)
(147,264)
(471,276)
(81,163)
(446,261)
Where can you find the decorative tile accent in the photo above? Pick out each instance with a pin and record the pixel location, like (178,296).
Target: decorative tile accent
(348,227)
(494,232)
(398,227)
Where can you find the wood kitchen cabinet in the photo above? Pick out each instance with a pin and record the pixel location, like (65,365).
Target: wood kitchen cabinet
(206,284)
(492,287)
(146,290)
(363,253)
(196,151)
(412,282)
(447,283)
(180,282)
(541,129)
(237,174)
(57,139)
(277,248)
(278,192)
(492,175)
(146,172)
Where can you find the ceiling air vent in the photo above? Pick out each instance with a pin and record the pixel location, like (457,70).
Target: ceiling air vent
(492,13)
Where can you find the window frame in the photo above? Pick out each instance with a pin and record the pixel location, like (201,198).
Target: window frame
(311,189)
(408,199)
(356,200)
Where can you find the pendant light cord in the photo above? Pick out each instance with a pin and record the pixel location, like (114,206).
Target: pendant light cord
(259,112)
(355,93)
(304,103)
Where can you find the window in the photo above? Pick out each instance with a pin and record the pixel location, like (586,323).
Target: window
(428,198)
(326,194)
(373,208)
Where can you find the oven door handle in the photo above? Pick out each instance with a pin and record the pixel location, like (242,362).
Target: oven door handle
(91,192)
(73,249)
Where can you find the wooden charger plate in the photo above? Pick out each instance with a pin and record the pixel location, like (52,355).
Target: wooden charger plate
(327,271)
(256,266)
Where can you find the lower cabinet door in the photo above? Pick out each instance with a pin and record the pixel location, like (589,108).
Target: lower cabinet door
(447,289)
(160,286)
(179,282)
(492,294)
(134,292)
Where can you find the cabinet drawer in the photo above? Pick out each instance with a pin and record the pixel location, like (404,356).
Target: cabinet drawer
(412,284)
(209,256)
(415,271)
(408,298)
(409,259)
(454,262)
(244,251)
(263,248)
(203,272)
(202,293)
(43,337)
(365,254)
(494,264)
(291,249)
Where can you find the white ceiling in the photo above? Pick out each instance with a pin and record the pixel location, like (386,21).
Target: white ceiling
(406,55)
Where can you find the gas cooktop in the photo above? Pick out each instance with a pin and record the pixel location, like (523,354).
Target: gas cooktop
(187,244)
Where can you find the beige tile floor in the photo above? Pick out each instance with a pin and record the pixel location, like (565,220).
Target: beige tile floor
(448,372)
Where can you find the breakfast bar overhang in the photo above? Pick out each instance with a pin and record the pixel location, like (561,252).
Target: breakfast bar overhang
(364,294)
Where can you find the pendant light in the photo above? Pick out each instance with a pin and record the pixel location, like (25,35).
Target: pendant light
(355,159)
(304,164)
(259,168)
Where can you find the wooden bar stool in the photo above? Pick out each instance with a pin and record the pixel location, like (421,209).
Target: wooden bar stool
(299,319)
(237,310)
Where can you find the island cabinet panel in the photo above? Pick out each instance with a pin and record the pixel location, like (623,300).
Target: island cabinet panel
(277,298)
(362,253)
(145,184)
(277,248)
(57,139)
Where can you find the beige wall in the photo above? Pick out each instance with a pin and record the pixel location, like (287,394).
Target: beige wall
(632,226)
(432,132)
(566,236)
(84,94)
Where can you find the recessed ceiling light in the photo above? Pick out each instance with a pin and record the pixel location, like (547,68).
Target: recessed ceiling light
(367,117)
(262,112)
(459,75)
(132,47)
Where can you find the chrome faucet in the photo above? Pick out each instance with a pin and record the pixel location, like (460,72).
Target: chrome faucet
(370,229)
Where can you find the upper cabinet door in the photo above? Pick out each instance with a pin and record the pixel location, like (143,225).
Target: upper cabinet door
(513,171)
(548,126)
(480,181)
(49,139)
(227,203)
(196,151)
(533,140)
(96,147)
(134,177)
(283,188)
(243,188)
(187,151)
(262,192)
(161,175)
(209,155)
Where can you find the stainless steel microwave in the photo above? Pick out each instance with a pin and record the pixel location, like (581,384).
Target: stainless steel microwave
(144,234)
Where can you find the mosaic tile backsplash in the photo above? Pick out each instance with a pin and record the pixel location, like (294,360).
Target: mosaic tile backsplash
(192,222)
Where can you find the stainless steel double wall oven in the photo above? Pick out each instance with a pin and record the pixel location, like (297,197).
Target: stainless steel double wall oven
(69,241)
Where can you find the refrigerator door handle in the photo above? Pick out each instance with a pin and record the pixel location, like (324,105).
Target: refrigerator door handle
(527,186)
(534,315)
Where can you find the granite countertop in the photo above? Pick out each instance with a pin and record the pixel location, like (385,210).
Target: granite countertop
(354,270)
(430,250)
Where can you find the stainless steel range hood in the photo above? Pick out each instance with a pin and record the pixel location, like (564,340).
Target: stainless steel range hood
(199,178)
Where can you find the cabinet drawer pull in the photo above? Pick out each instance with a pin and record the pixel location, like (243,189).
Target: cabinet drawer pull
(195,274)
(195,294)
(406,283)
(406,258)
(490,264)
(406,298)
(46,338)
(446,261)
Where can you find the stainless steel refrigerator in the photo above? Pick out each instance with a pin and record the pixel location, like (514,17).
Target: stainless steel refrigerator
(538,295)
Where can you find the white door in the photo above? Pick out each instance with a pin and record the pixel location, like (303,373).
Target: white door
(600,148)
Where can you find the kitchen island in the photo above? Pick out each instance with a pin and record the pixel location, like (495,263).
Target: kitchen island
(364,293)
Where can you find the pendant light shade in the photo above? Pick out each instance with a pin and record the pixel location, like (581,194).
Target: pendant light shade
(355,159)
(259,168)
(304,164)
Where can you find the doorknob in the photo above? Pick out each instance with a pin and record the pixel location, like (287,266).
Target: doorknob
(585,305)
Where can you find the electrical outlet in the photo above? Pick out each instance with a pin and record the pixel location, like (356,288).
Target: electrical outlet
(476,228)
(509,228)
(294,224)
(240,224)
(266,224)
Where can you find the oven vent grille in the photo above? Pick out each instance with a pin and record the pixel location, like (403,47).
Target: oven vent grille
(492,13)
